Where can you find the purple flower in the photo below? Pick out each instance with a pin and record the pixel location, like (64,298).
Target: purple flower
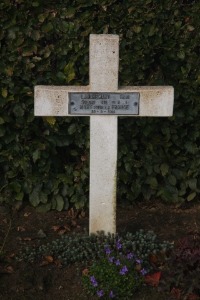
(107,250)
(111,259)
(111,295)
(93,281)
(123,270)
(100,293)
(143,271)
(117,262)
(138,261)
(130,255)
(118,245)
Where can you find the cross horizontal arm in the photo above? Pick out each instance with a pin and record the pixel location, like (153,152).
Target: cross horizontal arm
(154,101)
(54,100)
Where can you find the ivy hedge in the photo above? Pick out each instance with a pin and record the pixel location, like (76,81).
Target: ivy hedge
(45,160)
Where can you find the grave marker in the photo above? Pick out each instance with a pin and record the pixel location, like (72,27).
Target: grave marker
(103,101)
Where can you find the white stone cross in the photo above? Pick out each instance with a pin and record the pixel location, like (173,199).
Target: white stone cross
(103,101)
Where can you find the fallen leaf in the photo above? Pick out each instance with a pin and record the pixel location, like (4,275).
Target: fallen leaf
(56,227)
(193,297)
(61,229)
(72,213)
(27,214)
(6,270)
(49,258)
(9,269)
(82,214)
(44,263)
(85,272)
(153,258)
(27,239)
(73,223)
(24,239)
(138,267)
(21,229)
(12,255)
(176,293)
(153,279)
(83,157)
(58,263)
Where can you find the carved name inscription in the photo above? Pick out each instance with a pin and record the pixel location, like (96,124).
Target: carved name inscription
(104,103)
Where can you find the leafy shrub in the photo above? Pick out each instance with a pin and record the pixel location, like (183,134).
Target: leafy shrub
(45,160)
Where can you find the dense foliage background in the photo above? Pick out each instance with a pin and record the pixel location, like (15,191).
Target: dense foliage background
(45,160)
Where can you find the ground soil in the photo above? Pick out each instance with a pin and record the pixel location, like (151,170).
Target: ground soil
(27,227)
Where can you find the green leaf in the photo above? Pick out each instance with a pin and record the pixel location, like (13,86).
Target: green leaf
(36,155)
(137,28)
(152,30)
(42,17)
(165,194)
(191,147)
(43,197)
(4,92)
(72,129)
(69,71)
(74,152)
(172,179)
(2,121)
(53,203)
(191,196)
(19,196)
(164,168)
(18,111)
(59,203)
(47,27)
(43,208)
(35,4)
(181,54)
(192,183)
(19,41)
(9,71)
(152,181)
(70,12)
(50,120)
(15,186)
(34,197)
(64,190)
(61,76)
(66,204)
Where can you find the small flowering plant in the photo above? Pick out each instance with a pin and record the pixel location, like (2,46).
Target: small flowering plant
(115,275)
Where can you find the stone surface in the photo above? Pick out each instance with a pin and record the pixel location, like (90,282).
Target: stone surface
(54,101)
(104,64)
(103,173)
(155,101)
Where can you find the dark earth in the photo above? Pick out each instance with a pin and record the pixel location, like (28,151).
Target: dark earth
(49,280)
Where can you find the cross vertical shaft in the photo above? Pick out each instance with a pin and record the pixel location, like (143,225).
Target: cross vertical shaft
(104,61)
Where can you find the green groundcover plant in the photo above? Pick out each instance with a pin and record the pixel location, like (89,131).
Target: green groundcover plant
(115,274)
(86,248)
